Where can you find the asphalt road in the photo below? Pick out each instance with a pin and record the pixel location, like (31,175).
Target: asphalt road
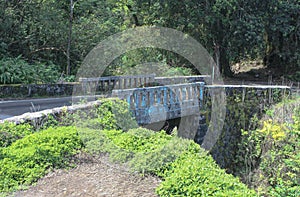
(17,107)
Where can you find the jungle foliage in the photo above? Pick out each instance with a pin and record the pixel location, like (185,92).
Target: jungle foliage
(63,32)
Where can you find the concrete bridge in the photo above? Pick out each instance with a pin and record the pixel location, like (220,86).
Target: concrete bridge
(186,102)
(154,99)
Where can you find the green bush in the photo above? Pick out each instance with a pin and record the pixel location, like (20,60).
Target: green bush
(159,160)
(18,71)
(196,174)
(279,170)
(271,153)
(111,114)
(186,169)
(10,132)
(29,158)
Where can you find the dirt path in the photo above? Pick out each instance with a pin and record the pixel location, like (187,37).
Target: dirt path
(94,177)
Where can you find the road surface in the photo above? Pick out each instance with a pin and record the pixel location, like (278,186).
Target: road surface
(18,107)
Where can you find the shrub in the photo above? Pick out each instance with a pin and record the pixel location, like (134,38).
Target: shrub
(116,112)
(18,71)
(158,161)
(272,152)
(280,163)
(111,114)
(10,132)
(196,174)
(29,158)
(187,170)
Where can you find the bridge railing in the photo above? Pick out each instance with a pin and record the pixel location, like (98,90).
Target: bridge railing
(183,79)
(160,103)
(106,84)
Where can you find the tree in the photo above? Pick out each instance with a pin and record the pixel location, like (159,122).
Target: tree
(282,35)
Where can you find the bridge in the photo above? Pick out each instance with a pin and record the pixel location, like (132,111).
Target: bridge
(153,99)
(185,102)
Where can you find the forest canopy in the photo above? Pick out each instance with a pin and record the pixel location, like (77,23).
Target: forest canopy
(62,33)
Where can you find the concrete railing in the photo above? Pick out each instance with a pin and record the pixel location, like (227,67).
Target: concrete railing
(183,79)
(105,84)
(38,118)
(160,103)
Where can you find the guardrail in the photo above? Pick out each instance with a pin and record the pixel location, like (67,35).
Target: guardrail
(105,84)
(183,79)
(160,103)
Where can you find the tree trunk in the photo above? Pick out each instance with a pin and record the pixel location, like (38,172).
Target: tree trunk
(224,63)
(68,70)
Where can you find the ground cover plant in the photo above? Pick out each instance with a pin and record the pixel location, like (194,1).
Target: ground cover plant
(30,158)
(185,168)
(10,132)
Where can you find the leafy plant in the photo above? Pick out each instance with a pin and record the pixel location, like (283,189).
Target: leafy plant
(271,153)
(18,71)
(111,114)
(29,158)
(196,174)
(10,132)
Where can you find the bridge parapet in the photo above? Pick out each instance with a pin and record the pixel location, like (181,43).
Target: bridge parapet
(160,103)
(107,84)
(104,84)
(183,79)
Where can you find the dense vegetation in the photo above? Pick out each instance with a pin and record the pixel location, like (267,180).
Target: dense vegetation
(61,33)
(269,155)
(28,159)
(18,71)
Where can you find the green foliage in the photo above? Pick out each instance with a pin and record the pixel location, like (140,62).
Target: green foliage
(243,107)
(282,33)
(29,158)
(186,169)
(38,31)
(239,29)
(159,160)
(280,163)
(10,132)
(196,174)
(17,70)
(295,76)
(271,153)
(112,114)
(131,64)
